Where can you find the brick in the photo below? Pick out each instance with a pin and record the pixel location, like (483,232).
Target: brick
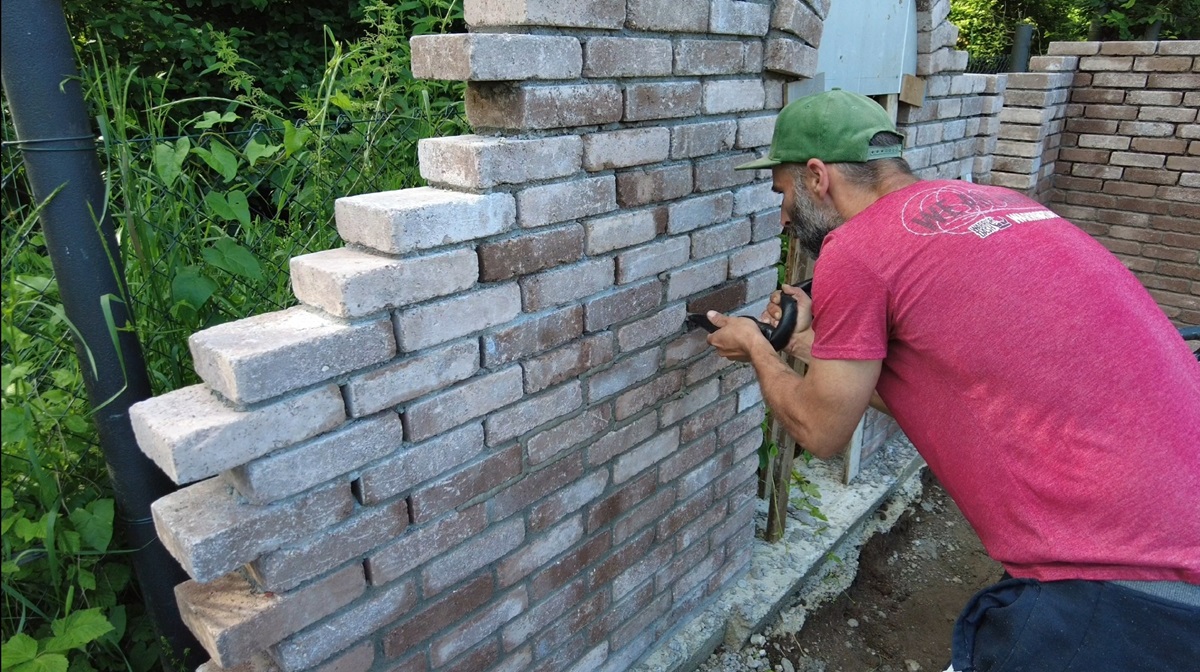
(358,659)
(790,56)
(453,407)
(1052,63)
(540,552)
(483,549)
(468,482)
(559,202)
(620,440)
(232,621)
(527,106)
(480,627)
(799,19)
(531,335)
(754,132)
(567,435)
(626,57)
(1146,129)
(530,252)
(352,283)
(1172,114)
(686,16)
(298,468)
(190,434)
(690,140)
(692,402)
(532,412)
(1111,63)
(416,464)
(688,280)
(1074,48)
(721,238)
(609,14)
(411,377)
(622,304)
(420,626)
(698,212)
(539,617)
(403,221)
(282,570)
(445,320)
(625,373)
(732,17)
(481,162)
(566,283)
(269,355)
(652,259)
(210,532)
(495,57)
(321,641)
(709,57)
(724,299)
(629,404)
(613,232)
(651,329)
(568,567)
(1096,126)
(651,185)
(726,96)
(754,257)
(644,456)
(568,362)
(624,148)
(1104,141)
(1121,80)
(421,543)
(1155,176)
(1138,159)
(632,569)
(1188,82)
(662,100)
(719,172)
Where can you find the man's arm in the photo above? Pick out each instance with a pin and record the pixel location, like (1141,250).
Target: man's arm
(819,409)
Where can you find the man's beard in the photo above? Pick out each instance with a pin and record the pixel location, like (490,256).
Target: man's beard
(810,223)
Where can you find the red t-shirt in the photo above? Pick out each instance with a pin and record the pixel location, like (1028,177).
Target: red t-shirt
(1045,388)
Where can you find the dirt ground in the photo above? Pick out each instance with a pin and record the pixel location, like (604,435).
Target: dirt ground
(897,615)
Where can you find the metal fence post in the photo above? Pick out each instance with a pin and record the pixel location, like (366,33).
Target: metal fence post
(41,83)
(1019,62)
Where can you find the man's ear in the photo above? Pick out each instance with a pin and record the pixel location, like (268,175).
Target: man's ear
(817,178)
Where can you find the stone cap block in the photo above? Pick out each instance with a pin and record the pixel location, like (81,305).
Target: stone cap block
(481,162)
(734,17)
(232,621)
(420,218)
(608,14)
(490,57)
(352,283)
(211,531)
(268,355)
(532,106)
(191,434)
(790,56)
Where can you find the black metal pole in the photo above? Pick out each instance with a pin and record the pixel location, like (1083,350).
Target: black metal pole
(1022,39)
(59,151)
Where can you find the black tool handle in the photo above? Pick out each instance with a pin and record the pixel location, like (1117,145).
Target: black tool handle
(777,336)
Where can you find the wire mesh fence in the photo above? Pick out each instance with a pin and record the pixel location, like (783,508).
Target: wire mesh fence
(989,65)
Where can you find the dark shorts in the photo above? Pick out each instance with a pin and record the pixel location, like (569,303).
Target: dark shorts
(1022,625)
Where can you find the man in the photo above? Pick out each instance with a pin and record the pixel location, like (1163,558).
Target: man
(1039,380)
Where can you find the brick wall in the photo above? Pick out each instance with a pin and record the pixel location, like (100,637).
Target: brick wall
(1107,135)
(484,440)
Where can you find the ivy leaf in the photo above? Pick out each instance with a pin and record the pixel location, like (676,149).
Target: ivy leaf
(257,150)
(294,138)
(216,202)
(6,499)
(227,255)
(28,530)
(19,648)
(192,287)
(220,158)
(342,100)
(212,119)
(168,159)
(239,205)
(14,425)
(50,662)
(95,524)
(77,630)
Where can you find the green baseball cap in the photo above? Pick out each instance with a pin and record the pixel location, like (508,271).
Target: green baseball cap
(835,126)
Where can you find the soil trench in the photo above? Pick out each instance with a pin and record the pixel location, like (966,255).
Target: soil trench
(898,613)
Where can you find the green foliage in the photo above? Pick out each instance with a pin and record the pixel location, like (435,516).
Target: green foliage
(211,194)
(1143,19)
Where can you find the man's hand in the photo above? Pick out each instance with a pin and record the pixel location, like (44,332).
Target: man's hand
(800,344)
(736,338)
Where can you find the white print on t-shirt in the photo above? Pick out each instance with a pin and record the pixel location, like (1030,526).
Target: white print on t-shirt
(957,210)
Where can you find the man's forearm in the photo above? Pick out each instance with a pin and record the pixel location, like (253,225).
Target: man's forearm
(783,391)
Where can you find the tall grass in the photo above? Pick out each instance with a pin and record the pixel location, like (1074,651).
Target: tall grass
(210,197)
